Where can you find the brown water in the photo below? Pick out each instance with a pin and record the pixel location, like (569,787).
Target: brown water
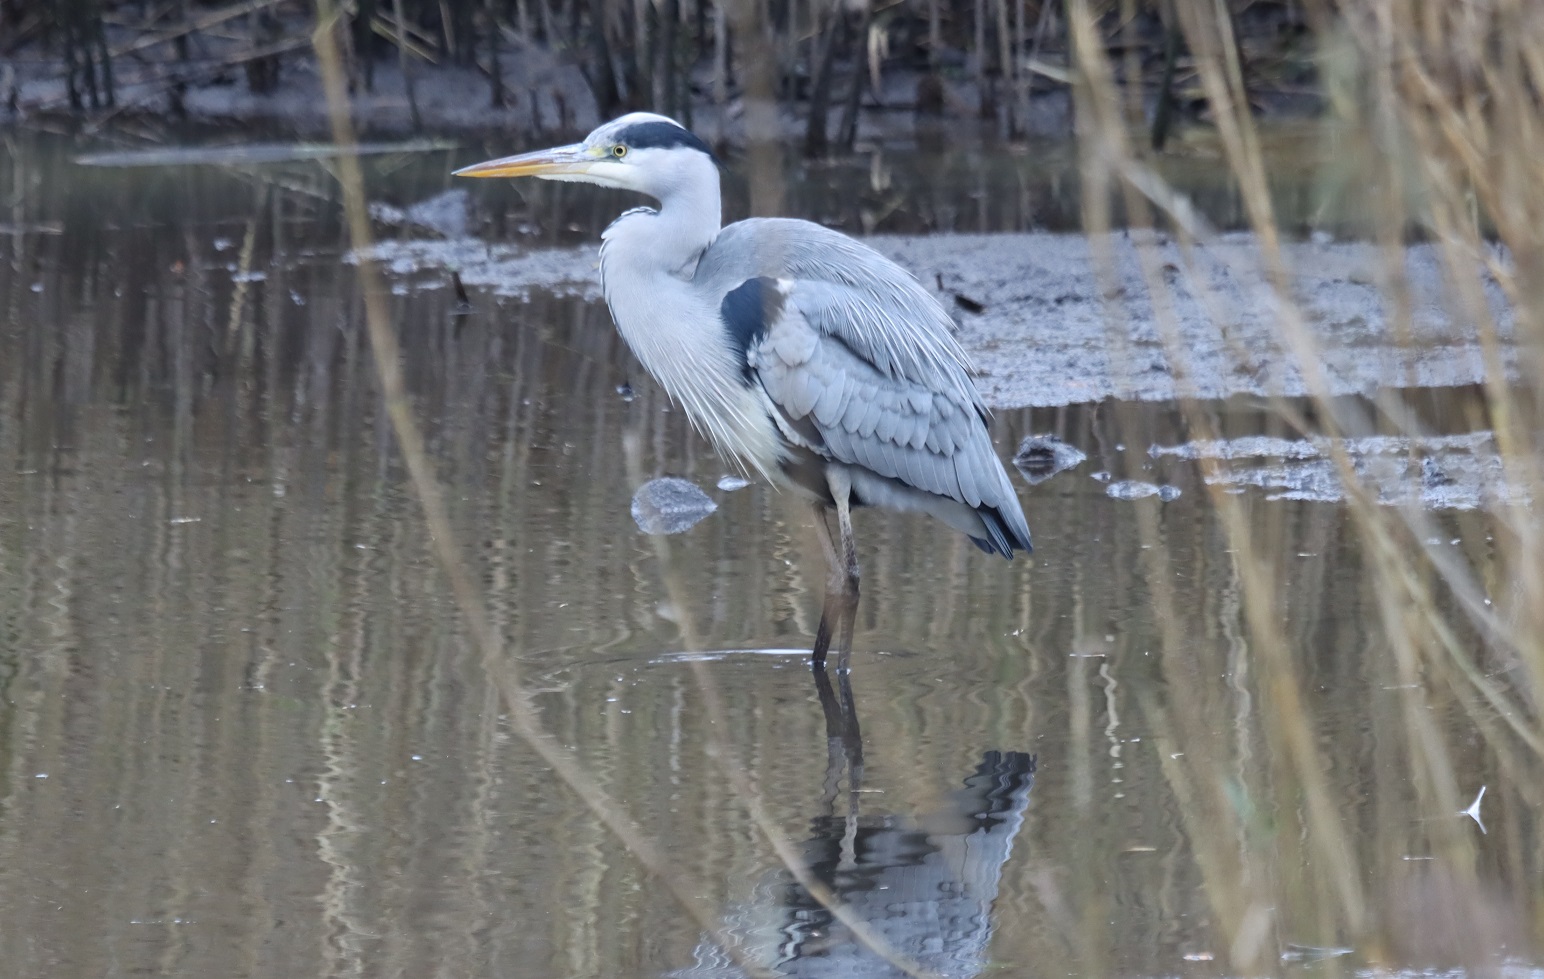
(243,731)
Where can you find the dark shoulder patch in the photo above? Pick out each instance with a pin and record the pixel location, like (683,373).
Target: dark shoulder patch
(662,136)
(747,311)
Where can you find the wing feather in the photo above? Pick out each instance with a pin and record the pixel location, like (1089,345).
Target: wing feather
(873,305)
(856,386)
(889,418)
(829,403)
(919,428)
(967,470)
(870,420)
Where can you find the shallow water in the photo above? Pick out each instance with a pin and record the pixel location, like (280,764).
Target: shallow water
(243,729)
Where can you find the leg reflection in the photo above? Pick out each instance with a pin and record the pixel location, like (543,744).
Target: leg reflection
(844,739)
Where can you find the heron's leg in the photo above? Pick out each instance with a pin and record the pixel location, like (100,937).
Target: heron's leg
(841,605)
(827,544)
(849,546)
(845,576)
(829,612)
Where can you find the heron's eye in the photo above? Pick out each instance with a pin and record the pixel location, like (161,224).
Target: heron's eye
(619,151)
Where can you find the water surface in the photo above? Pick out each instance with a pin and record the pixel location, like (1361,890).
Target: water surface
(243,730)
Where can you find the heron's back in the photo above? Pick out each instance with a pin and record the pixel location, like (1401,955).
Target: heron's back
(901,318)
(861,370)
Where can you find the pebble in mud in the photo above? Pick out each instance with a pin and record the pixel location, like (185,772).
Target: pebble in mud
(1457,471)
(445,214)
(1042,456)
(1131,489)
(670,505)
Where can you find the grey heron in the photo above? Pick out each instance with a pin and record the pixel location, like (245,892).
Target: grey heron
(802,354)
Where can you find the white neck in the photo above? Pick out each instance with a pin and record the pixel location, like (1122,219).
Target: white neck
(647,263)
(648,258)
(689,218)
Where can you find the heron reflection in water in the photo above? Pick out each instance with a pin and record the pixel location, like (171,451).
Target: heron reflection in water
(802,354)
(925,887)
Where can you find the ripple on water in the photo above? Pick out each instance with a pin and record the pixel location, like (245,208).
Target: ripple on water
(1461,471)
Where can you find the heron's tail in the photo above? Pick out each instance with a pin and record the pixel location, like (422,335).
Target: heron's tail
(1006,529)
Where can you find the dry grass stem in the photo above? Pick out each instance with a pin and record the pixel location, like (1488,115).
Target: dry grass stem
(502,670)
(1465,126)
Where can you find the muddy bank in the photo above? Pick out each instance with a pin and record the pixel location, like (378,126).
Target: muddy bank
(823,79)
(530,91)
(1032,317)
(540,94)
(542,97)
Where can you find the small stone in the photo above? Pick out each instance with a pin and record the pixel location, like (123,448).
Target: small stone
(1130,489)
(1042,456)
(670,506)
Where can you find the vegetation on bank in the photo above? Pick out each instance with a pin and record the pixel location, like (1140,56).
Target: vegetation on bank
(825,61)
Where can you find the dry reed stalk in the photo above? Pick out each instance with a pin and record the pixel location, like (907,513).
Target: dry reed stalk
(1452,96)
(1104,136)
(503,670)
(1463,142)
(193,25)
(1463,85)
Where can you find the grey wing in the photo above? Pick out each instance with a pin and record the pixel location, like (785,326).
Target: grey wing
(909,444)
(849,291)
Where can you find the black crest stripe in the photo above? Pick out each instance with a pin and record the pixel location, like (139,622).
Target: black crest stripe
(661,135)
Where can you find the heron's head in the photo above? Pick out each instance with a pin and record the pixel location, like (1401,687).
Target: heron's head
(641,151)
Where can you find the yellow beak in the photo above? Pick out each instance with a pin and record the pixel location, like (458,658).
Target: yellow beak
(558,162)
